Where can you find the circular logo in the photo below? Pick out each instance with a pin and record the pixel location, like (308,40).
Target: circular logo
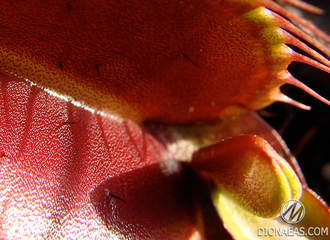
(292,211)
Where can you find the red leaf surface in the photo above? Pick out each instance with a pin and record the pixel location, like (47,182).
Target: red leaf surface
(53,154)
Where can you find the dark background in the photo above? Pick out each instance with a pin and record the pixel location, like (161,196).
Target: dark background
(307,133)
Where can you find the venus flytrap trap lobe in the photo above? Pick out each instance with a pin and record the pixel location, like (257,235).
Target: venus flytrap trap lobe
(172,62)
(232,53)
(248,170)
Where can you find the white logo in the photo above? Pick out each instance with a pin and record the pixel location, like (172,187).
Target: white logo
(292,211)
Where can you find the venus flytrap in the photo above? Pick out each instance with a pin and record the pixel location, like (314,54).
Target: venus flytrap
(82,80)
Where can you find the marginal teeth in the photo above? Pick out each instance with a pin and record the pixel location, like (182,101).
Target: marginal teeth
(286,99)
(291,80)
(289,32)
(288,26)
(289,39)
(273,6)
(301,58)
(304,6)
